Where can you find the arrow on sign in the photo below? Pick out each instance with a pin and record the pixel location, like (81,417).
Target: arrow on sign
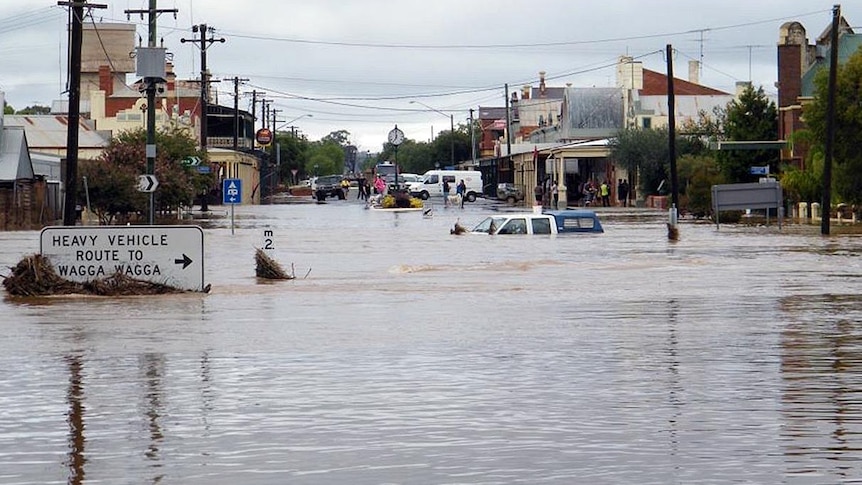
(147,183)
(232,192)
(186,261)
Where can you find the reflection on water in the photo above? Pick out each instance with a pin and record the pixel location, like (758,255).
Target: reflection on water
(76,421)
(822,372)
(404,354)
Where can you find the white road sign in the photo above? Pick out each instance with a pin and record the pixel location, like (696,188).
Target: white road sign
(147,183)
(172,255)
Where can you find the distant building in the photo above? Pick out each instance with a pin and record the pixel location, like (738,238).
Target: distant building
(26,201)
(798,64)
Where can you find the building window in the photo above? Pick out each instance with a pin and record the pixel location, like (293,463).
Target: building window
(647,123)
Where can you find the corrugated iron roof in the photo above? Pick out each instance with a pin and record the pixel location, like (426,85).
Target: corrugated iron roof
(14,157)
(49,131)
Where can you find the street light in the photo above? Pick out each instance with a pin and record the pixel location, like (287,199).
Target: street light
(291,121)
(451,128)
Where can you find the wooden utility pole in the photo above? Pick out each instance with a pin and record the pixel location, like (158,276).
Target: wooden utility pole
(826,205)
(671,122)
(204,45)
(236,81)
(70,174)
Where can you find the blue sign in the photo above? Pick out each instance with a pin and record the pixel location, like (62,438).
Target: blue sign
(764,170)
(231,191)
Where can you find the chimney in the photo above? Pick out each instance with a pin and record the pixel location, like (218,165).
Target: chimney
(106,81)
(694,72)
(542,88)
(171,78)
(525,92)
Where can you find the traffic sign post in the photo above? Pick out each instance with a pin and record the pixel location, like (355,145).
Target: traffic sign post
(170,255)
(231,194)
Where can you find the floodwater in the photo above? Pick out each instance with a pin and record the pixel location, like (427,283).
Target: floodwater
(402,354)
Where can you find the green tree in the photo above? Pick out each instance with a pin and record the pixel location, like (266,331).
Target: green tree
(8,109)
(112,178)
(326,157)
(294,155)
(847,174)
(751,117)
(35,110)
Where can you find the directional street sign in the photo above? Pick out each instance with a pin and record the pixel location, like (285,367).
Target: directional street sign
(755,170)
(232,191)
(171,255)
(147,183)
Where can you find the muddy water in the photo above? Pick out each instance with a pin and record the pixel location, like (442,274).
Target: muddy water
(403,354)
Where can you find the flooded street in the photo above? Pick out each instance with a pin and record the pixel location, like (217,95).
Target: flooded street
(402,354)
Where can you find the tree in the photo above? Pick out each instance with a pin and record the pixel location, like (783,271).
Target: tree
(35,110)
(112,178)
(294,155)
(326,157)
(645,153)
(847,175)
(8,109)
(751,117)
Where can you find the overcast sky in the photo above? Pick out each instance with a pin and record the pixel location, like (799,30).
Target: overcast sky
(356,65)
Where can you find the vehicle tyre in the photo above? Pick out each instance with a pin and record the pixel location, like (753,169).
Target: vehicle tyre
(511,200)
(471,197)
(320,195)
(424,195)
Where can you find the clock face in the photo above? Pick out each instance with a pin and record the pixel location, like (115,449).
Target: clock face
(396,136)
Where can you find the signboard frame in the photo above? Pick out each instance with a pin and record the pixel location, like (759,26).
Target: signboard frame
(170,255)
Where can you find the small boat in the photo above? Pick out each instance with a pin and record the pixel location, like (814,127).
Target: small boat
(548,222)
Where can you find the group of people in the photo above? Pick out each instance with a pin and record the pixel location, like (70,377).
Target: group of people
(378,186)
(591,192)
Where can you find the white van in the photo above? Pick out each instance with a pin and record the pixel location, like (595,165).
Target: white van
(432,183)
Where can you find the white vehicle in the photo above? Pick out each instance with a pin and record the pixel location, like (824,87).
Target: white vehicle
(432,183)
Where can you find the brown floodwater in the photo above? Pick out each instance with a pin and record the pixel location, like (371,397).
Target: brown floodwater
(403,354)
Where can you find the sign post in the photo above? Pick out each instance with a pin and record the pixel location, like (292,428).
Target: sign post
(231,194)
(169,255)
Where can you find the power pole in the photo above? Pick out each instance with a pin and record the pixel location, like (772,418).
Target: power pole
(254,94)
(673,232)
(826,205)
(204,45)
(70,179)
(236,82)
(150,83)
(472,140)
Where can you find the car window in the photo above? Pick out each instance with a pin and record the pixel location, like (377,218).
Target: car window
(514,226)
(541,226)
(449,178)
(432,179)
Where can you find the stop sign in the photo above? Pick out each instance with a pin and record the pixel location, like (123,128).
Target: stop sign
(263,136)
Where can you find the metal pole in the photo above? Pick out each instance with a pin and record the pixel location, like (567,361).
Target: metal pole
(151,113)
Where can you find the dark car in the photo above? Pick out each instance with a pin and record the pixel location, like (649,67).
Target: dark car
(511,193)
(327,186)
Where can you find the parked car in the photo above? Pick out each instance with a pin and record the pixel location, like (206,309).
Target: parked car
(509,192)
(327,186)
(404,180)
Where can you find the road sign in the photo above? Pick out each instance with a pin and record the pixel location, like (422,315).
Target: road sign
(147,183)
(764,170)
(171,255)
(232,191)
